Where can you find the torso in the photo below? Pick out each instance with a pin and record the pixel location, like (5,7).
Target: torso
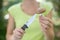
(34,31)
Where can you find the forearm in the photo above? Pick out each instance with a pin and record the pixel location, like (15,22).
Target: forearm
(10,28)
(49,37)
(8,37)
(11,37)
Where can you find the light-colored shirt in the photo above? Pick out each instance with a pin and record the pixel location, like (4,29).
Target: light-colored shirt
(34,32)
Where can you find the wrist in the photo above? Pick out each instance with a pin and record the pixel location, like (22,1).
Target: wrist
(49,37)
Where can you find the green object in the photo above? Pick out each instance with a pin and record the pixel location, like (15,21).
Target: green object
(34,32)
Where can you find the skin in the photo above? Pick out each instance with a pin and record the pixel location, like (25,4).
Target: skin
(47,26)
(17,34)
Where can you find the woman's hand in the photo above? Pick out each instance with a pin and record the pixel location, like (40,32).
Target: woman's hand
(17,34)
(47,27)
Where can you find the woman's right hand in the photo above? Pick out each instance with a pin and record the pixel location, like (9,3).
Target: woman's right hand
(17,34)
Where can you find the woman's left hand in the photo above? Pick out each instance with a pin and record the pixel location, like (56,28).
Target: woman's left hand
(47,27)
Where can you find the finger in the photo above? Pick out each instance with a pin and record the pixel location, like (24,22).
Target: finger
(44,21)
(18,35)
(42,18)
(50,25)
(47,23)
(45,18)
(21,31)
(18,32)
(51,21)
(44,27)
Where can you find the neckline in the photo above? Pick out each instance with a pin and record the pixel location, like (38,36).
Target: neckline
(23,11)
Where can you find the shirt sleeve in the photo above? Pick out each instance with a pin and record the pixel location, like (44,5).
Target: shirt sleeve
(48,6)
(12,10)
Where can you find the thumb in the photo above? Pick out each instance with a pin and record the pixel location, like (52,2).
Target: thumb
(49,15)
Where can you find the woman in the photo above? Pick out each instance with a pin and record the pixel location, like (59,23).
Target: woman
(20,13)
